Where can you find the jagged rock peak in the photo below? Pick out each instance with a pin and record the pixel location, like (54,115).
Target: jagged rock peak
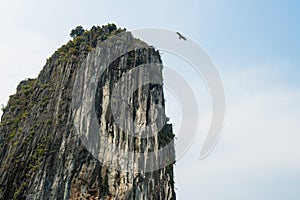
(43,155)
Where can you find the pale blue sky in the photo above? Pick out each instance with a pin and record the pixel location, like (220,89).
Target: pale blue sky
(255,45)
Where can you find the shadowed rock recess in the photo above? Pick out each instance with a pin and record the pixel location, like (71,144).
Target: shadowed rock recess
(42,156)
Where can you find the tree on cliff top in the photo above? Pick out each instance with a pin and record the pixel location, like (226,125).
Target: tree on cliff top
(78,31)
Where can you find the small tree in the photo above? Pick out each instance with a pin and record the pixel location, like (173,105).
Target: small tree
(78,31)
(111,27)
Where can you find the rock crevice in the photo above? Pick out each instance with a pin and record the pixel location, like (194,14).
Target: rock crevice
(42,156)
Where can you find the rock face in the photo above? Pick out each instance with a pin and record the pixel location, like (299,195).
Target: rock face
(48,148)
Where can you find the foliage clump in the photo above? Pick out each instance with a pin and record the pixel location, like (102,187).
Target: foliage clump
(18,103)
(83,41)
(78,31)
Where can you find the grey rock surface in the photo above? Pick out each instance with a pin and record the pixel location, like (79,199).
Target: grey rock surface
(42,156)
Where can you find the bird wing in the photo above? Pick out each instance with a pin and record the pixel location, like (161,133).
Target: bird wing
(181,36)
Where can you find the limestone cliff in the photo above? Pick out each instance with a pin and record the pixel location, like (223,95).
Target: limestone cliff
(42,156)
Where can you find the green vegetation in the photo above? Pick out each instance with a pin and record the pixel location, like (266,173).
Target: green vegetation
(28,131)
(41,149)
(84,41)
(33,167)
(78,31)
(18,158)
(12,135)
(20,190)
(24,114)
(16,143)
(3,108)
(49,121)
(18,109)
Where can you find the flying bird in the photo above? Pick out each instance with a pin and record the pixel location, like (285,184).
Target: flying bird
(181,36)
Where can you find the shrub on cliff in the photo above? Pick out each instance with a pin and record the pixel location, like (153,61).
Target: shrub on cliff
(78,31)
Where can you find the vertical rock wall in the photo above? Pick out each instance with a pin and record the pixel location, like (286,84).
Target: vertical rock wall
(43,157)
